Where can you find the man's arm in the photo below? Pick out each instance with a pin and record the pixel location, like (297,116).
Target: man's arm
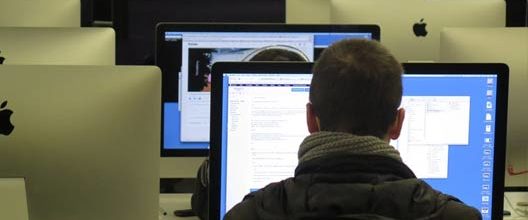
(456,210)
(244,210)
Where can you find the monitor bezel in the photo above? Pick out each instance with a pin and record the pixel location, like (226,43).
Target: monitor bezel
(163,27)
(501,70)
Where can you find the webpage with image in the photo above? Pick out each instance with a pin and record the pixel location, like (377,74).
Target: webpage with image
(186,120)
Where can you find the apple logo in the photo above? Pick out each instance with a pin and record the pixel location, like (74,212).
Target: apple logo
(5,120)
(419,28)
(2,59)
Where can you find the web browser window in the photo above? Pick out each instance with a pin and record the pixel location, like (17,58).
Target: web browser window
(186,118)
(201,51)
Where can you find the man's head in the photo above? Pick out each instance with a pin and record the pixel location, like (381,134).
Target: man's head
(356,88)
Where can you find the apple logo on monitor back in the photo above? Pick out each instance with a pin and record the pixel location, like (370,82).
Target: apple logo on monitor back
(2,59)
(419,28)
(5,120)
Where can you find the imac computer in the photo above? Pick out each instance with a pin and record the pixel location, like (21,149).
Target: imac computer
(185,53)
(84,138)
(505,45)
(38,13)
(411,28)
(453,135)
(57,46)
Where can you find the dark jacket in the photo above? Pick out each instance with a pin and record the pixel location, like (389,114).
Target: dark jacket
(351,187)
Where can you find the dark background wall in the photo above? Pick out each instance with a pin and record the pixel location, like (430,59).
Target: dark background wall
(135,20)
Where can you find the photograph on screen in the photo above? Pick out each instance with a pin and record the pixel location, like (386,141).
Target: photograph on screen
(201,61)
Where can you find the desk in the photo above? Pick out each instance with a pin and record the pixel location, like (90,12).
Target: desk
(511,200)
(514,218)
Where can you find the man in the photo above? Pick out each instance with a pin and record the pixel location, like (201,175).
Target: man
(277,53)
(347,169)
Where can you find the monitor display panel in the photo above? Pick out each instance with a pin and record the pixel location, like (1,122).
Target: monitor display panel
(185,52)
(453,136)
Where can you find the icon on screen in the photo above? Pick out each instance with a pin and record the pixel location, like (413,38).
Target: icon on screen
(489,93)
(488,105)
(485,187)
(488,128)
(486,163)
(490,81)
(486,175)
(487,152)
(488,116)
(487,140)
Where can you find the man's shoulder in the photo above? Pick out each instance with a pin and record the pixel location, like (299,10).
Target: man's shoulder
(458,210)
(448,206)
(269,199)
(243,210)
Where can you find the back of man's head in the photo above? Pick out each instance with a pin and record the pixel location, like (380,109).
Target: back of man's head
(356,88)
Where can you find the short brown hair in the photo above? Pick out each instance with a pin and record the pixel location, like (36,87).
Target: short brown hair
(356,88)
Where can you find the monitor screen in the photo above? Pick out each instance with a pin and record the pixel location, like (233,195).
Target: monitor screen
(452,136)
(186,52)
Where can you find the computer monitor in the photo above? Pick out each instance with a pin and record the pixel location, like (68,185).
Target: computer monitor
(57,46)
(453,136)
(186,51)
(505,45)
(36,13)
(413,34)
(85,138)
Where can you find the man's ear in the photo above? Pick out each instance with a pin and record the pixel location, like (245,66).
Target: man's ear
(395,128)
(311,119)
